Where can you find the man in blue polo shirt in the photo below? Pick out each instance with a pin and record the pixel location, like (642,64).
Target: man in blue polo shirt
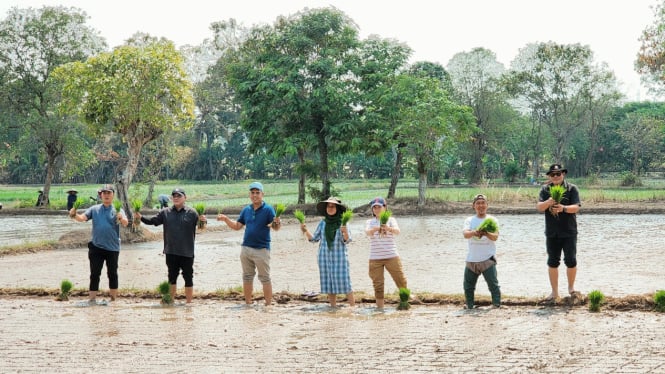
(257,218)
(105,243)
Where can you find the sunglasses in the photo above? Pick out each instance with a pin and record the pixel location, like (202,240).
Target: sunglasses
(556,174)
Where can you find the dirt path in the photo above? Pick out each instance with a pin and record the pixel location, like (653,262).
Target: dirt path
(139,336)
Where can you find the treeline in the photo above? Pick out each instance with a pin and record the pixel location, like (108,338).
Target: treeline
(306,99)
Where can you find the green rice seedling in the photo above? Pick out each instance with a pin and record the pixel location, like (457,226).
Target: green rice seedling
(488,225)
(300,216)
(279,209)
(65,289)
(404,295)
(383,220)
(137,204)
(164,289)
(556,192)
(117,204)
(200,209)
(77,204)
(346,217)
(596,299)
(385,216)
(659,300)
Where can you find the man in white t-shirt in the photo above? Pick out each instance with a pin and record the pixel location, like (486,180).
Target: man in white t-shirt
(481,258)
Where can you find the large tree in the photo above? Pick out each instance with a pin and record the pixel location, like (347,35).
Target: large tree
(138,91)
(651,56)
(475,77)
(33,42)
(554,81)
(299,83)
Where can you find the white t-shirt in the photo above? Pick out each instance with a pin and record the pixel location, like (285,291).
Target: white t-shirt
(381,248)
(480,249)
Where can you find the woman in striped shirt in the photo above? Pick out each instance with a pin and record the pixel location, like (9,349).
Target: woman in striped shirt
(383,250)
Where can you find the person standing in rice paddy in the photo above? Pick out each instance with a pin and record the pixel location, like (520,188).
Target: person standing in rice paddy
(560,229)
(105,243)
(71,198)
(180,222)
(383,254)
(257,218)
(333,259)
(481,255)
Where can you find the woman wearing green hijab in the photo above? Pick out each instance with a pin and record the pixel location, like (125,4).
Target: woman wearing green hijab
(333,258)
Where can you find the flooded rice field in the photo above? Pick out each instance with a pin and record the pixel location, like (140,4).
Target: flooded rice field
(617,254)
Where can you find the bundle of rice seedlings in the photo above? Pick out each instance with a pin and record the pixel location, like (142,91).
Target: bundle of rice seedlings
(404,295)
(77,204)
(383,220)
(164,289)
(65,289)
(200,209)
(659,300)
(117,204)
(300,216)
(596,299)
(346,217)
(488,225)
(279,209)
(137,204)
(556,192)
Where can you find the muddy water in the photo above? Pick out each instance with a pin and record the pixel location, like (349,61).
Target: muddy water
(620,255)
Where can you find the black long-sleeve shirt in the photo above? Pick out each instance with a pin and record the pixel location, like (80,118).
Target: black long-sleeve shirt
(179,229)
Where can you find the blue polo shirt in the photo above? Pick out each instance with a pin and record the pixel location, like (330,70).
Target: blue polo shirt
(257,225)
(105,228)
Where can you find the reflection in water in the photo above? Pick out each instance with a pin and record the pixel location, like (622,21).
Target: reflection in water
(617,254)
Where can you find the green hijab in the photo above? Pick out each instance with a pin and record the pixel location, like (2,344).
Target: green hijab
(332,225)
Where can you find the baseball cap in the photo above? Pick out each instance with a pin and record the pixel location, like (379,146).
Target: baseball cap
(377,201)
(479,197)
(178,191)
(256,186)
(107,187)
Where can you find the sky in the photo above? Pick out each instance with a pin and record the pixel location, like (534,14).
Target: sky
(435,30)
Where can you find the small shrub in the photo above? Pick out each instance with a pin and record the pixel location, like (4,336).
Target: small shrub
(596,299)
(659,300)
(629,179)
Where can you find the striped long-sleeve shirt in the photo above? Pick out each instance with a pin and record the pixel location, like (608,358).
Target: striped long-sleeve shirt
(382,247)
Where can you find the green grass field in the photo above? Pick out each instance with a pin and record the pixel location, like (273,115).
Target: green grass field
(353,193)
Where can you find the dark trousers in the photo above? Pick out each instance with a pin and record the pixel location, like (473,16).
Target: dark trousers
(97,257)
(176,263)
(470,280)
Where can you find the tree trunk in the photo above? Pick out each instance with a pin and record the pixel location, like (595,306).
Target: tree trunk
(302,179)
(422,183)
(325,177)
(397,169)
(51,158)
(148,198)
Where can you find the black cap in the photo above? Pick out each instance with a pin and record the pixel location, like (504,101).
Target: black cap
(178,191)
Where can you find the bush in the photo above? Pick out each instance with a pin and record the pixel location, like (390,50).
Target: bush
(629,179)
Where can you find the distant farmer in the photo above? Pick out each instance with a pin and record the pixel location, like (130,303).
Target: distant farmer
(257,218)
(560,228)
(179,233)
(41,199)
(481,255)
(105,243)
(71,198)
(163,201)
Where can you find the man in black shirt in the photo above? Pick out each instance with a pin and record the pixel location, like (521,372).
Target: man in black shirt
(179,233)
(560,229)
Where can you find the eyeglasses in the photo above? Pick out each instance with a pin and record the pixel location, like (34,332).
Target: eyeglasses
(555,174)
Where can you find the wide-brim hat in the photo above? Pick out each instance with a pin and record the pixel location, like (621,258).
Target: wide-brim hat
(72,190)
(556,168)
(321,205)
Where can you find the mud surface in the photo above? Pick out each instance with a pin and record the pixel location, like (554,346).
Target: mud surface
(618,254)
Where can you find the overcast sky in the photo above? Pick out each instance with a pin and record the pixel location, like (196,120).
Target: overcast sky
(435,30)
